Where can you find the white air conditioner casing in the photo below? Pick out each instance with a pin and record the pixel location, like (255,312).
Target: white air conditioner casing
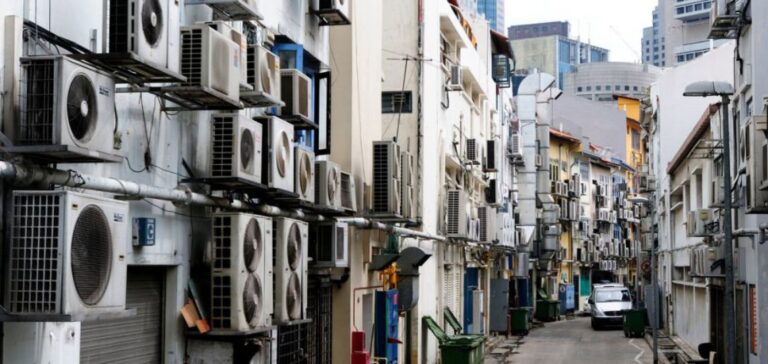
(457,214)
(210,60)
(456,80)
(334,12)
(331,248)
(48,85)
(515,145)
(263,74)
(348,192)
(242,50)
(757,170)
(231,9)
(41,342)
(304,177)
(699,221)
(328,184)
(296,93)
(387,180)
(487,230)
(277,151)
(236,148)
(148,29)
(74,247)
(408,198)
(291,252)
(241,272)
(474,152)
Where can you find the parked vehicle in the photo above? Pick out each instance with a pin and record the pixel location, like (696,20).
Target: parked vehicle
(608,303)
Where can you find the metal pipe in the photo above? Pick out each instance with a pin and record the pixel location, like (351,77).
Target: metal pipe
(729,304)
(28,174)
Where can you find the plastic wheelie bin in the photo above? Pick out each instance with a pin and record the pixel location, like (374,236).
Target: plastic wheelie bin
(635,322)
(457,349)
(519,318)
(547,310)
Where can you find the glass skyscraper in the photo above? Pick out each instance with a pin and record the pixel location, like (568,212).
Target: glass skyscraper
(493,11)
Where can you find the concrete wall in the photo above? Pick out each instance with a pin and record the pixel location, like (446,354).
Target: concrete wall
(540,53)
(607,76)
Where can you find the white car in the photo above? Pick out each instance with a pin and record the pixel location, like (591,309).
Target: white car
(608,303)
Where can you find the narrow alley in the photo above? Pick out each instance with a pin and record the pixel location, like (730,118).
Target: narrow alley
(573,342)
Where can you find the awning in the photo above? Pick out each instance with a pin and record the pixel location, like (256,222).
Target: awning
(502,44)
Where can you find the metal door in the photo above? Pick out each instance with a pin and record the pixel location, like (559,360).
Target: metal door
(499,305)
(136,339)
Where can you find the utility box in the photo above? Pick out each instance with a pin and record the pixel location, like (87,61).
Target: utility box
(143,233)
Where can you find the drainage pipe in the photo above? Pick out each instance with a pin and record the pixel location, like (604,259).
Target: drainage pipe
(29,174)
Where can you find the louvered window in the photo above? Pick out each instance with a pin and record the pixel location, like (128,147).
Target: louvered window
(393,102)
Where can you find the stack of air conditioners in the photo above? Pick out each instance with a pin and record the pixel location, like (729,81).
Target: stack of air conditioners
(755,158)
(564,210)
(387,179)
(700,223)
(291,247)
(236,149)
(700,261)
(408,176)
(560,189)
(507,229)
(211,63)
(458,215)
(331,248)
(241,272)
(574,210)
(487,230)
(65,112)
(68,255)
(603,215)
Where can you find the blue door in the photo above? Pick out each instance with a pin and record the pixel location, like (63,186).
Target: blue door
(470,284)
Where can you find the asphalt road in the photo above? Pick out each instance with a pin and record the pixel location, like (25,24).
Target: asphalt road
(572,342)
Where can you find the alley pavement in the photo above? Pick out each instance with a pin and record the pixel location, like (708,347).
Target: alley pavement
(570,341)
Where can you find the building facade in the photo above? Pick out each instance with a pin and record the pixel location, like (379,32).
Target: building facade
(561,28)
(603,81)
(554,54)
(653,50)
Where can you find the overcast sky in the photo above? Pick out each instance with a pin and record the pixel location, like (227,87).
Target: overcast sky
(592,20)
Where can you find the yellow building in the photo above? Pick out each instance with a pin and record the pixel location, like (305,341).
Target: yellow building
(564,151)
(635,157)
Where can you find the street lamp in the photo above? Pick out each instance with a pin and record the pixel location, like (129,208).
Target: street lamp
(724,90)
(654,281)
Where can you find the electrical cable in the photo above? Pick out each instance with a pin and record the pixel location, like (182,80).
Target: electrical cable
(174,212)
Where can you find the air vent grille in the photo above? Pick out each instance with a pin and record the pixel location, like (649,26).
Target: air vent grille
(482,214)
(347,194)
(34,266)
(381,178)
(251,71)
(37,102)
(191,55)
(222,244)
(453,205)
(222,147)
(472,150)
(121,12)
(286,92)
(221,298)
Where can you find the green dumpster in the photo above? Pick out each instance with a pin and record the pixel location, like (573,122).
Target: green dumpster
(452,320)
(635,321)
(547,310)
(457,349)
(519,318)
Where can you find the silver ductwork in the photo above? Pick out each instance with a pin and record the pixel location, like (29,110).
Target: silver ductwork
(536,94)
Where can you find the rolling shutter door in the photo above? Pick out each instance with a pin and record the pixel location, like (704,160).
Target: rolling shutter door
(136,339)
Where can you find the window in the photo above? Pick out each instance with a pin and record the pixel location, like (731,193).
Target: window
(607,87)
(681,58)
(634,88)
(598,88)
(393,102)
(579,89)
(626,88)
(589,88)
(635,140)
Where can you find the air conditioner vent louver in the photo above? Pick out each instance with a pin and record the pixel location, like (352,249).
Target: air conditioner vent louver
(386,178)
(191,49)
(30,246)
(454,222)
(37,113)
(222,147)
(119,17)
